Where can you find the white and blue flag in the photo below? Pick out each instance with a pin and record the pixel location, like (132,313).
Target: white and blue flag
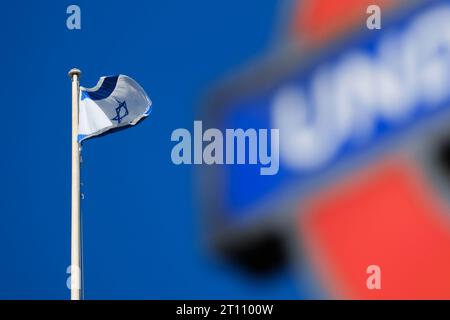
(115,102)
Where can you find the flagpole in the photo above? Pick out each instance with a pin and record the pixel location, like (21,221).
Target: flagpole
(75,276)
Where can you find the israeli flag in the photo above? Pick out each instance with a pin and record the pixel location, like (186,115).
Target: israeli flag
(115,102)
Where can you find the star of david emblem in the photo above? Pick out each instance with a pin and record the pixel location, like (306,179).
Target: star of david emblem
(121,111)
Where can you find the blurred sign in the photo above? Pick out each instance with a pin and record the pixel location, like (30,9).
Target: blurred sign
(340,108)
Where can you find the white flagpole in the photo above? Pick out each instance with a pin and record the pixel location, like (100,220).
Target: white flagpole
(75,276)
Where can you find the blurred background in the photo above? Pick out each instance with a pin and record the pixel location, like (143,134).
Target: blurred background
(364,151)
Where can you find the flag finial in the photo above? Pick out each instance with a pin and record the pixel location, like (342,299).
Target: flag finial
(74,71)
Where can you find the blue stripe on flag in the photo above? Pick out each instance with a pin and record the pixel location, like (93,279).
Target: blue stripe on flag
(105,90)
(148,111)
(81,137)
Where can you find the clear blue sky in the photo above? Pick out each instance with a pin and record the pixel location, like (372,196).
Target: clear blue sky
(142,234)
